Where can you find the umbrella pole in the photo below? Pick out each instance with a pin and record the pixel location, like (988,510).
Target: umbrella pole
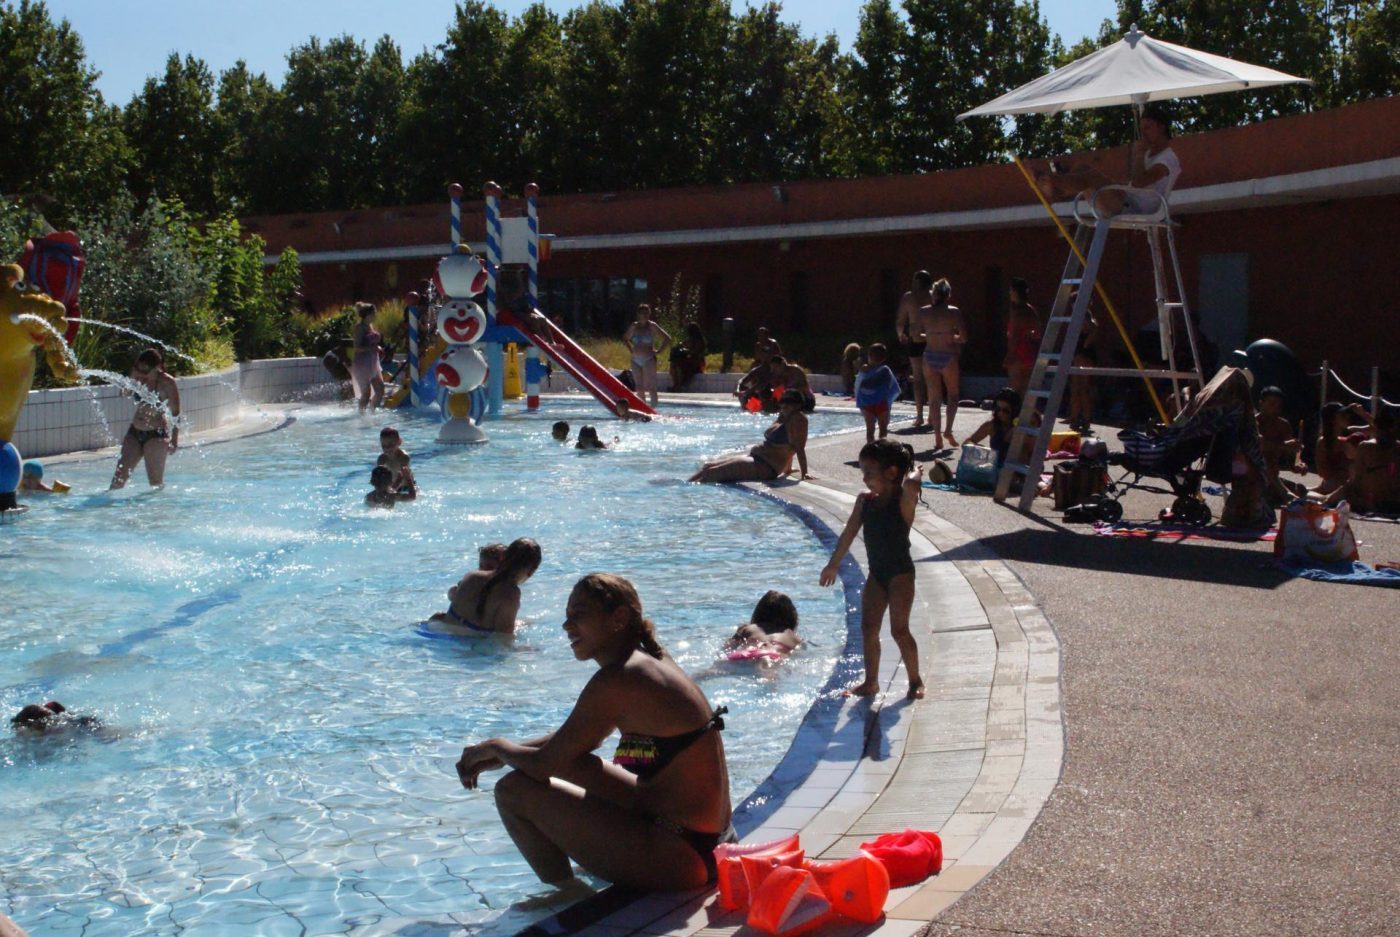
(1098,288)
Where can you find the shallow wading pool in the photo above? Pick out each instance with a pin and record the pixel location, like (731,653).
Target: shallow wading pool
(281,737)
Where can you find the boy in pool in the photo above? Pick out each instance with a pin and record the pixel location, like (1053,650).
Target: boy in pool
(624,412)
(396,460)
(32,481)
(383,495)
(771,628)
(560,432)
(51,717)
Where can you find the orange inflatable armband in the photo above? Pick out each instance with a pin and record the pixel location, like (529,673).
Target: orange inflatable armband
(733,877)
(856,887)
(790,902)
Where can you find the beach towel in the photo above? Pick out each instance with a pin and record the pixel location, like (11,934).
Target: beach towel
(1177,532)
(1354,572)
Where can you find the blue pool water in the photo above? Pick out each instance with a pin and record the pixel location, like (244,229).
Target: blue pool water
(280,743)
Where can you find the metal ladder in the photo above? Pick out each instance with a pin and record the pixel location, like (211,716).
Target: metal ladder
(1025,458)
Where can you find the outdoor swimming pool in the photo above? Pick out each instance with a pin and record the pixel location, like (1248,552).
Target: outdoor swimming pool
(279,757)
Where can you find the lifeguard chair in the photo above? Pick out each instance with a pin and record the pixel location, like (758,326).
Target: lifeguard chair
(1145,210)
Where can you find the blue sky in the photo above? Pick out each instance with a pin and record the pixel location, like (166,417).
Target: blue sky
(130,40)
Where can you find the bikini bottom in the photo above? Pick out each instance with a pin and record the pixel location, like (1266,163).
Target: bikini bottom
(143,436)
(454,619)
(703,843)
(938,360)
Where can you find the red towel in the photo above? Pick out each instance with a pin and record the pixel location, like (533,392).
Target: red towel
(909,857)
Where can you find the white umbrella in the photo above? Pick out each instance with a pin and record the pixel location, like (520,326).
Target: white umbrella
(1135,70)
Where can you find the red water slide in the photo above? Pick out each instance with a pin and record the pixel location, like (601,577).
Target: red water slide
(580,365)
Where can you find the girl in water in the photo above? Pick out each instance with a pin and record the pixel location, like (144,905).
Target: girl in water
(486,603)
(886,513)
(365,371)
(647,340)
(649,819)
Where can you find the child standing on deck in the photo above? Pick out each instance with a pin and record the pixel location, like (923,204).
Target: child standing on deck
(886,513)
(876,388)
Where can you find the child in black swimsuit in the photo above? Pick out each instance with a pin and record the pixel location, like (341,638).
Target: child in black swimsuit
(886,513)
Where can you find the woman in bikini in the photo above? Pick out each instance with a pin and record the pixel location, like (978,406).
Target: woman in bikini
(486,602)
(154,432)
(365,372)
(647,340)
(946,333)
(1023,332)
(649,819)
(786,438)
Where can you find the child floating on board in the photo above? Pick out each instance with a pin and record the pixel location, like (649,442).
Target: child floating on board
(885,513)
(771,633)
(397,461)
(32,480)
(876,389)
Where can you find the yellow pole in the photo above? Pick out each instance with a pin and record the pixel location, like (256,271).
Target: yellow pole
(1098,287)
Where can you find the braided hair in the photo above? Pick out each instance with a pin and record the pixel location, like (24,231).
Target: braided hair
(613,592)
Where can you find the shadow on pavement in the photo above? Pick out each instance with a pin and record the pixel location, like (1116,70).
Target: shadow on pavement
(1187,561)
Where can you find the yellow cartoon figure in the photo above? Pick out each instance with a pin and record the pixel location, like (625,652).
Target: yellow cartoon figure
(18,339)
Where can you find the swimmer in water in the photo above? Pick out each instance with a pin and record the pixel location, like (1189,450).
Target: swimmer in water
(772,626)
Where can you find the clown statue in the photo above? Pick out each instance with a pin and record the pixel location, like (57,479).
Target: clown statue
(461,324)
(24,313)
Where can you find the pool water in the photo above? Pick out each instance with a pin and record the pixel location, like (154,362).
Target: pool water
(280,737)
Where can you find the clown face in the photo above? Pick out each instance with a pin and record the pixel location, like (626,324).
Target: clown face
(461,322)
(461,370)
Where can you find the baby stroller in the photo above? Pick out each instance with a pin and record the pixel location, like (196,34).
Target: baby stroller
(1203,442)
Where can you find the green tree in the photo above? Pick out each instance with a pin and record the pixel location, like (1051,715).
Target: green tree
(63,144)
(379,97)
(455,112)
(593,130)
(246,180)
(959,55)
(1368,38)
(873,95)
(673,91)
(779,96)
(532,147)
(174,136)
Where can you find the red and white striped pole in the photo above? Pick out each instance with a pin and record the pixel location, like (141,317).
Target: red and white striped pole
(533,366)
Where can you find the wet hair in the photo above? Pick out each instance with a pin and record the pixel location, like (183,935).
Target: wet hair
(587,434)
(622,406)
(942,289)
(614,592)
(380,476)
(887,453)
(923,278)
(878,353)
(364,310)
(1158,115)
(151,357)
(1271,391)
(1021,288)
(560,426)
(775,612)
(523,554)
(389,431)
(492,553)
(36,716)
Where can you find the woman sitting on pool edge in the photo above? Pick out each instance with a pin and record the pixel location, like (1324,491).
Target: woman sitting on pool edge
(486,603)
(652,817)
(771,631)
(786,438)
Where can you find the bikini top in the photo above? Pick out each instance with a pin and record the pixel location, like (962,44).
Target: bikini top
(776,435)
(648,755)
(640,338)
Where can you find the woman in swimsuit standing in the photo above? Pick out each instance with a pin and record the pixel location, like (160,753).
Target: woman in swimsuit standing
(649,819)
(787,437)
(154,432)
(365,372)
(647,340)
(1022,337)
(946,333)
(486,602)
